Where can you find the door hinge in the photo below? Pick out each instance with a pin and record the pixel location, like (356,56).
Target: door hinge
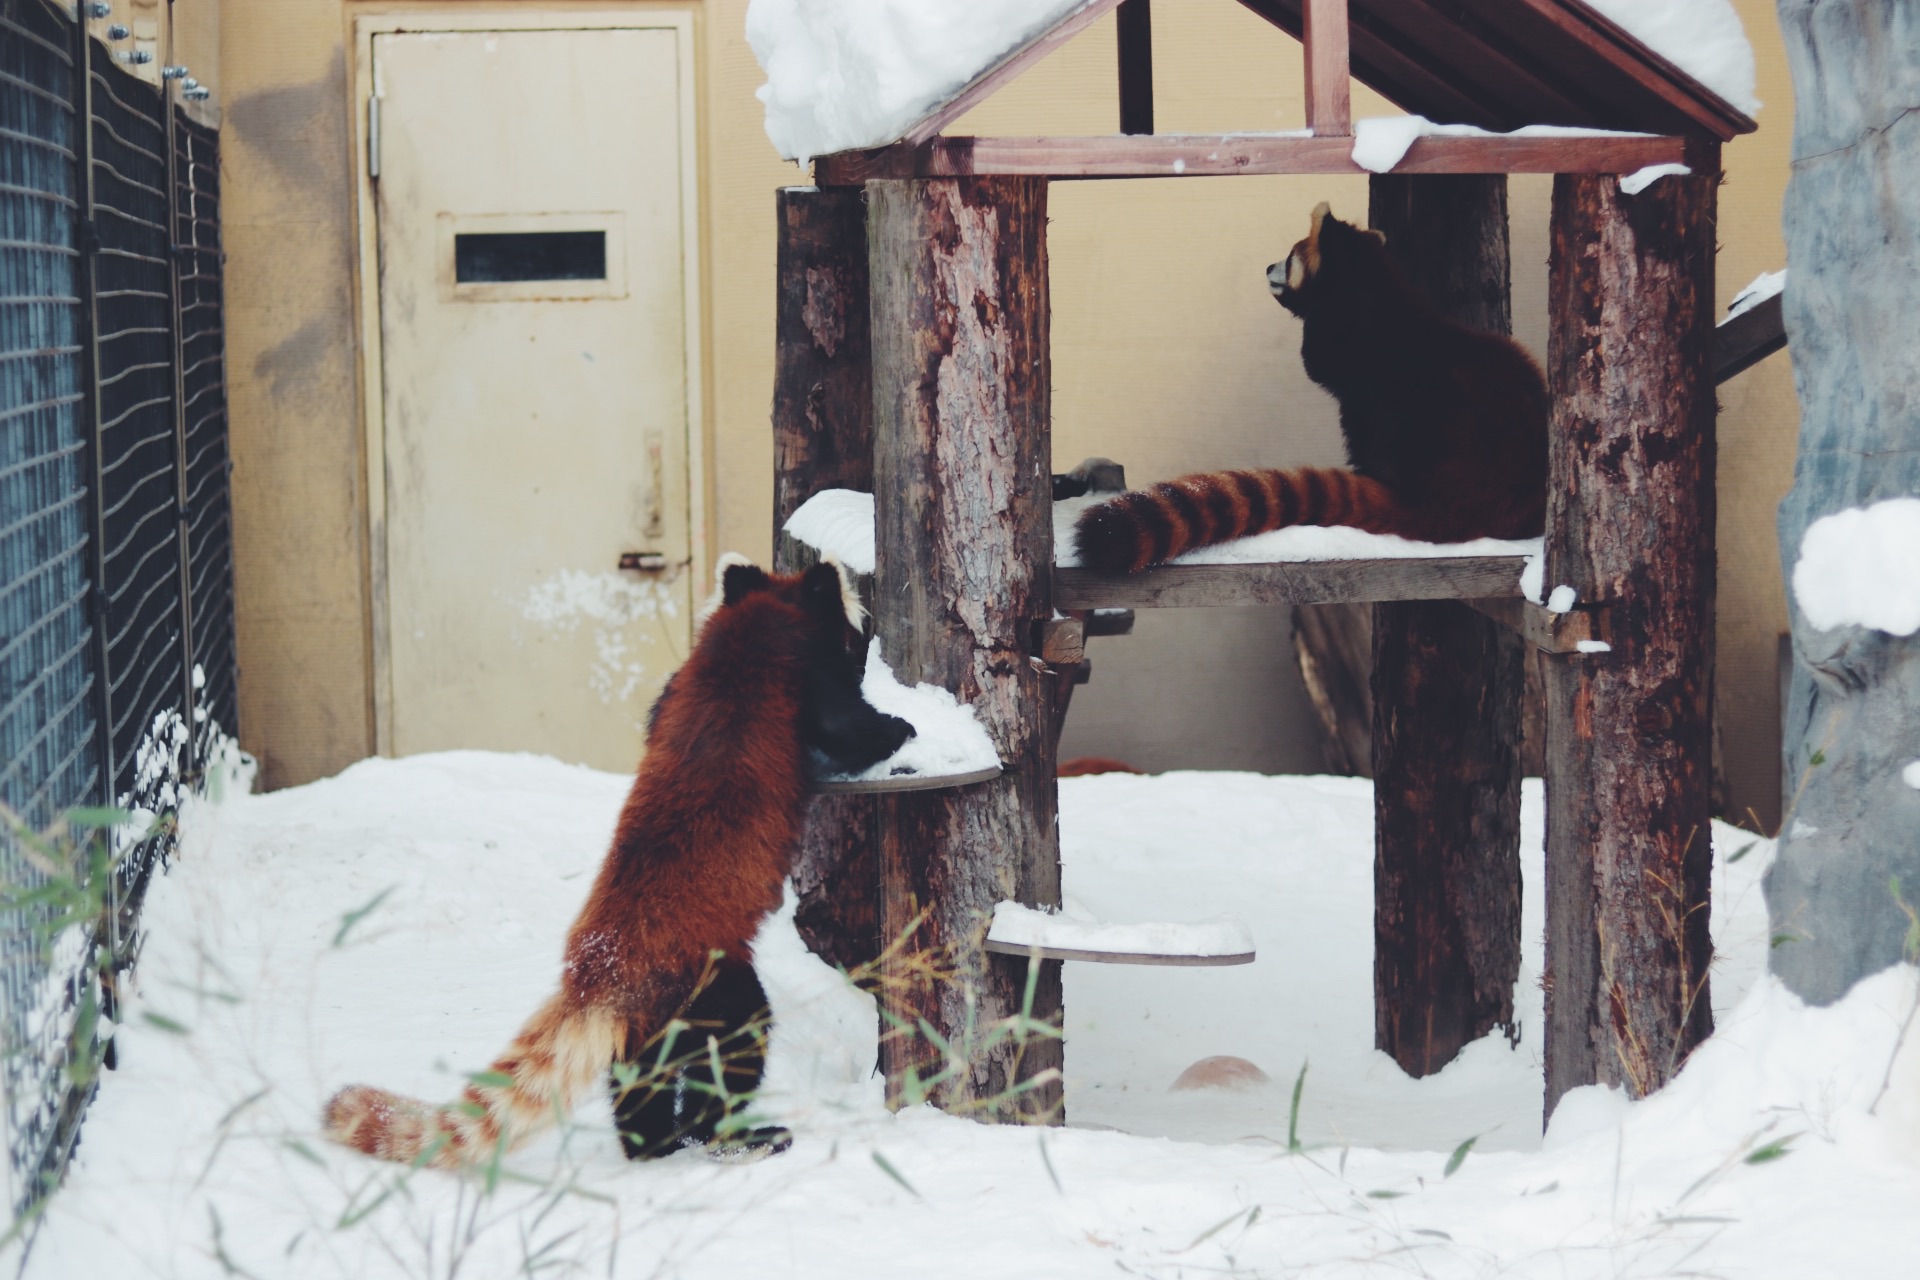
(373,135)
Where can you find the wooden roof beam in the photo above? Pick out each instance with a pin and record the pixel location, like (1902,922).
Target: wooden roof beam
(1010,66)
(1329,105)
(1215,155)
(1134,30)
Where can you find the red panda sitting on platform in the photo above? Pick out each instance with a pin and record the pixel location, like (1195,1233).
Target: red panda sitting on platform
(1445,426)
(770,692)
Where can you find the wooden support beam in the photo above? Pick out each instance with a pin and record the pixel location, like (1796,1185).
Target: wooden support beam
(1009,68)
(1135,29)
(1545,630)
(1630,524)
(1329,111)
(1189,586)
(964,538)
(1203,155)
(1447,685)
(823,439)
(1748,338)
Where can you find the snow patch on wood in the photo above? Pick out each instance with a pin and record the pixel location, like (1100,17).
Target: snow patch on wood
(1074,929)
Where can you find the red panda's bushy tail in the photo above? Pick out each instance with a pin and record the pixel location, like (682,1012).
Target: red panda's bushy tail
(1147,526)
(555,1058)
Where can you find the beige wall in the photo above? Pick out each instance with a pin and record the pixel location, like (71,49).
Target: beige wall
(1168,355)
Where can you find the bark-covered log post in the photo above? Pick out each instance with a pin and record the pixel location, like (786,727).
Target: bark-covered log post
(1447,686)
(823,439)
(964,548)
(1630,525)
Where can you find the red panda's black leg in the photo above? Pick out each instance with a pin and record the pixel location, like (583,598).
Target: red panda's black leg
(658,1110)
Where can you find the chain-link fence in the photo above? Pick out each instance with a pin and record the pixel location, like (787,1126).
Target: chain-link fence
(116,598)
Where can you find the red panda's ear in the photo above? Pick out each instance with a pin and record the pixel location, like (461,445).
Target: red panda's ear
(827,591)
(738,581)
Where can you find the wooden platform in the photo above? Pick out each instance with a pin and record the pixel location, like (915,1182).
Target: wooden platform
(1119,957)
(906,782)
(1175,586)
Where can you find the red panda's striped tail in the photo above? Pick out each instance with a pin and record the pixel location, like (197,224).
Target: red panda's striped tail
(557,1056)
(1151,525)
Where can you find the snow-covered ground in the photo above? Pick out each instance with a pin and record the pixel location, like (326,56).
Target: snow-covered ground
(394,924)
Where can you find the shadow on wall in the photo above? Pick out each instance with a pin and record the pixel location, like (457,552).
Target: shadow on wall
(1153,692)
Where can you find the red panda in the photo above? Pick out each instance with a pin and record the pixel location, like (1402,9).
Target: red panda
(1445,426)
(770,692)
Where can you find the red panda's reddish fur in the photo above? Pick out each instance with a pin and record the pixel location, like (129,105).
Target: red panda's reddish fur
(1445,426)
(702,845)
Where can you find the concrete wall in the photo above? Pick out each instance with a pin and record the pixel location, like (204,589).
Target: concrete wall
(1168,354)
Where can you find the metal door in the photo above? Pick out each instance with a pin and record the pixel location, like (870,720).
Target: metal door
(528,191)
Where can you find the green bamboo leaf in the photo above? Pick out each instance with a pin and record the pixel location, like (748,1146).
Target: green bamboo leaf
(886,1167)
(353,918)
(1293,1112)
(1459,1156)
(1772,1151)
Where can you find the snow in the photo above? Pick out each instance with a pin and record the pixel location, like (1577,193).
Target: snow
(947,739)
(1861,568)
(843,74)
(1381,142)
(839,523)
(1561,601)
(1911,774)
(1073,929)
(1640,179)
(1703,38)
(201,1157)
(1592,646)
(1767,284)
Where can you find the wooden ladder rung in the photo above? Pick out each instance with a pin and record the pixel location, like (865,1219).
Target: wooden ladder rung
(906,782)
(1117,957)
(1292,582)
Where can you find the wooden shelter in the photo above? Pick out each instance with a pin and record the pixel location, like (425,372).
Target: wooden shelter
(913,361)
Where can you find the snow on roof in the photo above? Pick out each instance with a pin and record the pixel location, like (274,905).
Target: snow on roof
(844,74)
(1703,38)
(847,74)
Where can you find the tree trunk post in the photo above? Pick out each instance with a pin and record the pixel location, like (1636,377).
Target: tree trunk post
(1630,525)
(823,439)
(964,542)
(1447,685)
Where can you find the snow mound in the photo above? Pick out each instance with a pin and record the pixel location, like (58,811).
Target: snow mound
(1861,568)
(843,74)
(947,738)
(1072,929)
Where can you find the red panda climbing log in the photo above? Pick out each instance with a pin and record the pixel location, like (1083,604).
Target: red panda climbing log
(702,845)
(1445,426)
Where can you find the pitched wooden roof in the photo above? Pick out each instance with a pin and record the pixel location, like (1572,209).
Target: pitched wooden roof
(1501,64)
(1498,64)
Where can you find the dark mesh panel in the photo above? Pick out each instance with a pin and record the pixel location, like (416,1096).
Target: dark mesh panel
(49,752)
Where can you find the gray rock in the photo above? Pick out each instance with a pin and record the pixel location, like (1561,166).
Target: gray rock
(1852,310)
